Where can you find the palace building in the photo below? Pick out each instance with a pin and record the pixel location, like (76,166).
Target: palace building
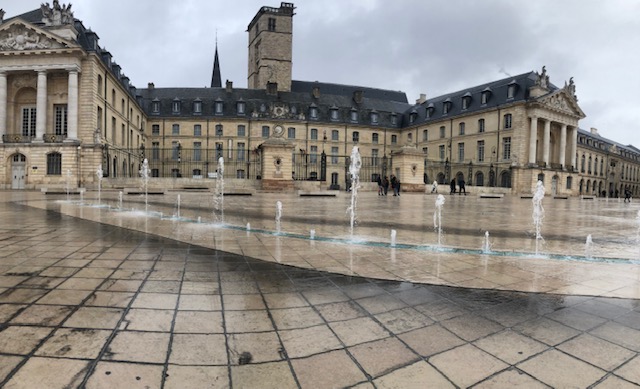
(67,108)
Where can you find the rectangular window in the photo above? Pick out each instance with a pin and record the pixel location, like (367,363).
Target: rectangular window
(113,129)
(374,157)
(241,149)
(218,106)
(155,107)
(175,129)
(335,135)
(272,24)
(313,154)
(219,150)
(265,131)
(334,155)
(99,124)
(240,107)
(291,133)
(442,133)
(425,135)
(441,152)
(506,148)
(314,134)
(155,129)
(460,152)
(481,125)
(197,151)
(155,151)
(197,107)
(461,128)
(241,130)
(480,151)
(54,164)
(219,130)
(374,138)
(29,121)
(394,139)
(507,120)
(175,107)
(175,150)
(197,130)
(356,136)
(155,172)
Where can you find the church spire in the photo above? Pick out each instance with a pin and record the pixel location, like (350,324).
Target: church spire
(216,80)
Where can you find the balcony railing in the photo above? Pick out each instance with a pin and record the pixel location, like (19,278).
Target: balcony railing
(18,138)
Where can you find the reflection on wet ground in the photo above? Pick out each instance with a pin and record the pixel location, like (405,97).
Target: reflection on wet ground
(86,304)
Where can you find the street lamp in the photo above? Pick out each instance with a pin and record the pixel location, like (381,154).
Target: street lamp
(470,176)
(446,170)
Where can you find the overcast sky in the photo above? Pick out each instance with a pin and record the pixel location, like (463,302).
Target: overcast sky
(415,46)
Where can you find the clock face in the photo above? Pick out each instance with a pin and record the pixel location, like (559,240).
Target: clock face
(278,130)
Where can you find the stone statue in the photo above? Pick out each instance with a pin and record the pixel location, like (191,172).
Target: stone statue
(571,88)
(57,14)
(1,15)
(543,79)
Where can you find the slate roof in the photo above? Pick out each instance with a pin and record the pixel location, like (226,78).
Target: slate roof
(628,148)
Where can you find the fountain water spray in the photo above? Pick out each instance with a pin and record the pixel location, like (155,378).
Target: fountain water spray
(99,174)
(538,213)
(393,238)
(312,234)
(68,183)
(354,171)
(278,215)
(437,217)
(120,200)
(144,176)
(486,243)
(218,198)
(588,247)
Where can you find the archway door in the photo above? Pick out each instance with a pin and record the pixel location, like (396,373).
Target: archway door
(554,185)
(18,171)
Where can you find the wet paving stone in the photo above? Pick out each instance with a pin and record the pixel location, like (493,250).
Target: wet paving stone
(120,308)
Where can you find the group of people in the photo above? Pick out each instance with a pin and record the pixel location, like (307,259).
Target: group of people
(384,182)
(452,186)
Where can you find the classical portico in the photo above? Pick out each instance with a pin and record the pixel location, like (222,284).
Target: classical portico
(45,130)
(553,128)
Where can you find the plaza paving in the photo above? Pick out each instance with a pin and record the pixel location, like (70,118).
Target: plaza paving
(100,298)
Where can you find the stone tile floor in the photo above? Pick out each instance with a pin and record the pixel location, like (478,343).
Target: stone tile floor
(87,304)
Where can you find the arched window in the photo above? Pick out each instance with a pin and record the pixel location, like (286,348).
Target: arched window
(589,166)
(505,179)
(583,161)
(479,179)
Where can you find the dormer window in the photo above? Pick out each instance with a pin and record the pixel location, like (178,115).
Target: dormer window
(155,106)
(466,100)
(446,106)
(511,89)
(374,117)
(175,107)
(333,113)
(394,119)
(313,111)
(218,106)
(353,115)
(413,115)
(485,95)
(197,107)
(430,109)
(241,107)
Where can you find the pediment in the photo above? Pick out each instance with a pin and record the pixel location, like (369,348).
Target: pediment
(20,36)
(561,101)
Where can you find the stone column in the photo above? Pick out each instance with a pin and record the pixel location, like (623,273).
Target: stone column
(574,147)
(3,105)
(546,140)
(563,145)
(277,164)
(72,107)
(533,138)
(41,106)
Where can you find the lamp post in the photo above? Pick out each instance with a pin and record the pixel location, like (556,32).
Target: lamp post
(446,170)
(179,147)
(470,176)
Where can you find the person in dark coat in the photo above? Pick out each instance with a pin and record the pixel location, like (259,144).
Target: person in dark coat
(380,189)
(453,186)
(461,185)
(385,185)
(627,194)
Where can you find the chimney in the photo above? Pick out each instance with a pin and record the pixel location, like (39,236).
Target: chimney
(151,86)
(315,92)
(357,96)
(272,88)
(229,86)
(594,131)
(422,99)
